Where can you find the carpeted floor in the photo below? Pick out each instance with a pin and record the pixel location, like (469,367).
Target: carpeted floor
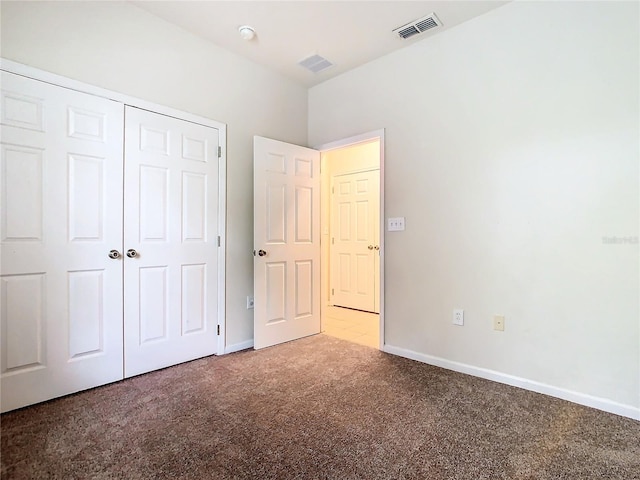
(317,408)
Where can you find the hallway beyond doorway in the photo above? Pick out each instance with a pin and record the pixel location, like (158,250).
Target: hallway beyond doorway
(352,325)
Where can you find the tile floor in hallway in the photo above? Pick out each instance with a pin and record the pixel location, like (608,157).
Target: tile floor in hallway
(353,325)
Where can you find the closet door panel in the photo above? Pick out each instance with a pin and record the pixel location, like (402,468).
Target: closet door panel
(61,195)
(171,222)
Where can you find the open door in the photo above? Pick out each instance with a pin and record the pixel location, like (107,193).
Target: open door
(286,192)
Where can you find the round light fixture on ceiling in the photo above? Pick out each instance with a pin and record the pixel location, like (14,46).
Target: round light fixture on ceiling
(246,32)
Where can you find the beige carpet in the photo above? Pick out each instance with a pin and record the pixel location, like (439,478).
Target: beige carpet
(317,408)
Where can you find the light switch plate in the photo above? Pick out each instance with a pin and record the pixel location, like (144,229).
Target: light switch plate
(395,224)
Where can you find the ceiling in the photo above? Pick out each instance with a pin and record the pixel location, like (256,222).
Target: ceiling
(347,33)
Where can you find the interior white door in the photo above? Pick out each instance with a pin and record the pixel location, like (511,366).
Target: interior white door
(171,233)
(355,233)
(61,197)
(287,242)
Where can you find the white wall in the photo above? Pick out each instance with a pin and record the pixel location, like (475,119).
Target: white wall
(120,47)
(512,149)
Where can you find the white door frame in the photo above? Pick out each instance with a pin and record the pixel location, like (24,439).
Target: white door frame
(346,142)
(48,77)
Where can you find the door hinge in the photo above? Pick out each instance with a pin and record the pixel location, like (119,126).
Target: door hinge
(332,292)
(219,151)
(218,329)
(333,241)
(333,189)
(218,240)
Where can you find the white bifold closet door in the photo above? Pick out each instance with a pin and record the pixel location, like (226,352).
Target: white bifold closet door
(61,197)
(76,311)
(171,221)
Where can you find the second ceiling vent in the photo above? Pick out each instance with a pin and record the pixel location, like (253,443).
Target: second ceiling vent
(315,63)
(418,26)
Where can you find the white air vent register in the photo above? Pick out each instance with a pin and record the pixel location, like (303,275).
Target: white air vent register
(315,63)
(418,26)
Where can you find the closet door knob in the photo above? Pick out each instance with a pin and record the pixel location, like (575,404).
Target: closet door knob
(131,253)
(114,254)
(262,253)
(377,247)
(370,247)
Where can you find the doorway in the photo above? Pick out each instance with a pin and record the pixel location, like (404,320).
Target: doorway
(291,280)
(351,241)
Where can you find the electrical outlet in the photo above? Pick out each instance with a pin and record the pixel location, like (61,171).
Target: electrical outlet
(249,302)
(498,323)
(395,224)
(458,317)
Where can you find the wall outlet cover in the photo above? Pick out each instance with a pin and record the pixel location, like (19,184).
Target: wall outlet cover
(249,302)
(458,317)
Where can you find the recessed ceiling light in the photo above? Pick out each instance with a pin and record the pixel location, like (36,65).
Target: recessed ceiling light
(246,32)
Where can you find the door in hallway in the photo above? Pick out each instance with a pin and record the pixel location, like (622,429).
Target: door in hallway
(355,232)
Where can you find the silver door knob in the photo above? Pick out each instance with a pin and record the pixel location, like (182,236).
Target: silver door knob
(131,253)
(262,253)
(114,254)
(370,247)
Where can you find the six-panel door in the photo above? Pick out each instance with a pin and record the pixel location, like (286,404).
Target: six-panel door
(171,222)
(355,232)
(61,197)
(287,242)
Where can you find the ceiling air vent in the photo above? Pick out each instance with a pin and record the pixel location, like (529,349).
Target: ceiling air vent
(418,26)
(315,63)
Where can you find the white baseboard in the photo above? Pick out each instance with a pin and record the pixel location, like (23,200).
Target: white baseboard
(609,406)
(236,347)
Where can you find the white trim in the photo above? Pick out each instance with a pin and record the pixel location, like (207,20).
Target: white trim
(60,81)
(236,347)
(603,404)
(345,142)
(363,138)
(357,170)
(222,250)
